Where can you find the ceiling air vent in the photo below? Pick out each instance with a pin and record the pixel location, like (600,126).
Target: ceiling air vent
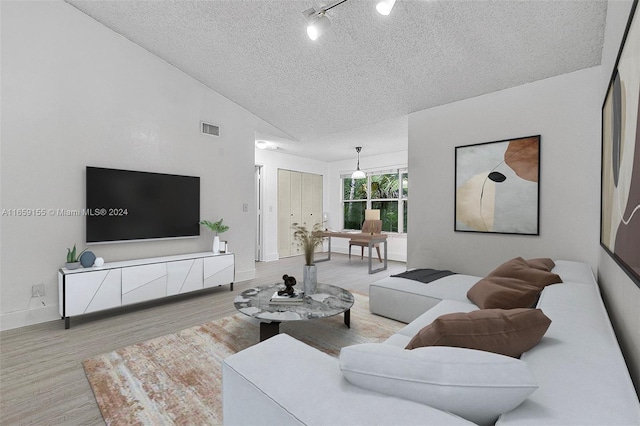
(210,129)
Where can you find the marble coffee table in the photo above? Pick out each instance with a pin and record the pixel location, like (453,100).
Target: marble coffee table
(327,301)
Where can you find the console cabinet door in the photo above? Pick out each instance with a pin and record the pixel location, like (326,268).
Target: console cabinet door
(92,291)
(184,276)
(218,270)
(145,282)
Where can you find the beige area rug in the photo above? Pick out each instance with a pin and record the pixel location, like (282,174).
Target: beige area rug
(177,379)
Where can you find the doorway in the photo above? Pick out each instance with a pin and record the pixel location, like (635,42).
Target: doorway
(259,191)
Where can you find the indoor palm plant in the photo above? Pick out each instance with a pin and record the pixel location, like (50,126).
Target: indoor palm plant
(308,241)
(218,228)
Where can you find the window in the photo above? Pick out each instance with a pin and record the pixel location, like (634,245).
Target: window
(404,179)
(386,191)
(354,194)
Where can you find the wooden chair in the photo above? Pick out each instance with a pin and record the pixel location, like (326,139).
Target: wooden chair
(368,227)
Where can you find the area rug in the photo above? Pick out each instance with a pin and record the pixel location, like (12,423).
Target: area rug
(177,379)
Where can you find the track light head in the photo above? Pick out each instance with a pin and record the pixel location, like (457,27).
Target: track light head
(319,21)
(318,26)
(384,7)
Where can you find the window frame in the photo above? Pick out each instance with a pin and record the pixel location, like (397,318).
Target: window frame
(400,199)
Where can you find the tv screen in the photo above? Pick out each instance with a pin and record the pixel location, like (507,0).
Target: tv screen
(124,205)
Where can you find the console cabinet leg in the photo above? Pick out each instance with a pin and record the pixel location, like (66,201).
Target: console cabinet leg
(231,287)
(67,322)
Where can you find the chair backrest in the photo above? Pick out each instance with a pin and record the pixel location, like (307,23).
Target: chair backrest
(372,226)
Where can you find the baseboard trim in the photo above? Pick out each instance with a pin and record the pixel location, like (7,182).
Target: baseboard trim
(245,275)
(271,257)
(28,317)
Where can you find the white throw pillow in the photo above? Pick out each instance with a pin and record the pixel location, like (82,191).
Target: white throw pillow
(475,385)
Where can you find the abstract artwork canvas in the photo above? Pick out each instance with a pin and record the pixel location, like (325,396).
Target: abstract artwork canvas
(620,202)
(497,187)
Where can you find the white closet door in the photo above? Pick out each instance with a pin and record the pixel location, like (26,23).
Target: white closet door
(284,213)
(299,201)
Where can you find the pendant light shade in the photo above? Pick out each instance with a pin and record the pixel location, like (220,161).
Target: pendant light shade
(358,174)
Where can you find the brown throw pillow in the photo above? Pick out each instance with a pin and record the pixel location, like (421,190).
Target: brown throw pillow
(514,284)
(506,332)
(543,263)
(503,293)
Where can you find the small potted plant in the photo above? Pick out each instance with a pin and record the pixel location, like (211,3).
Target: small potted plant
(218,228)
(309,241)
(73,258)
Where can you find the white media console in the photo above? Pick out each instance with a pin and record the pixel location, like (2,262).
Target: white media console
(115,284)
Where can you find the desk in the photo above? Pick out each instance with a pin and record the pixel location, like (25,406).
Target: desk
(370,238)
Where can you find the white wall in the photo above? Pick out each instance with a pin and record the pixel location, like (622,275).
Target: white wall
(565,111)
(271,161)
(74,93)
(621,294)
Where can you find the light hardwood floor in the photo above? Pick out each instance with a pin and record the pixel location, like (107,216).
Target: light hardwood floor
(42,381)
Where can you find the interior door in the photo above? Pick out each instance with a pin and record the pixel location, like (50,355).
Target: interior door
(259,213)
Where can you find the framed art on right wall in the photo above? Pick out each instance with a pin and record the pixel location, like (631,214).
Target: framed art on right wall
(620,195)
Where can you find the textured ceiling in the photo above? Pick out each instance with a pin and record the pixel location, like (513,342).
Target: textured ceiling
(356,84)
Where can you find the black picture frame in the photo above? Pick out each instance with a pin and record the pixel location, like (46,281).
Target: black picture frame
(497,187)
(620,164)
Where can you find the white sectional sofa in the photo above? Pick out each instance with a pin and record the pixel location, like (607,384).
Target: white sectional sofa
(578,368)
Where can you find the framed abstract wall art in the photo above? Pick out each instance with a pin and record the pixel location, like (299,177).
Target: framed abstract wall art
(620,198)
(497,187)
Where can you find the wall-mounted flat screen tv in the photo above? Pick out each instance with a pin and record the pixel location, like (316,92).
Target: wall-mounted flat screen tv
(125,205)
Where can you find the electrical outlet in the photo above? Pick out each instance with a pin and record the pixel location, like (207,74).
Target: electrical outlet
(37,290)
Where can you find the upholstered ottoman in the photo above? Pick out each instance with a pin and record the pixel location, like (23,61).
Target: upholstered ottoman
(404,300)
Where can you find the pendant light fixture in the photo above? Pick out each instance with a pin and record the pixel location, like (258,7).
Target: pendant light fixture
(358,174)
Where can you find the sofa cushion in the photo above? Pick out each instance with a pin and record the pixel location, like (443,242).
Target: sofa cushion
(514,284)
(579,367)
(405,300)
(507,332)
(476,385)
(574,272)
(306,387)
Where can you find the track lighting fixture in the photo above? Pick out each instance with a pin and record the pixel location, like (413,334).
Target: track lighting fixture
(319,21)
(384,7)
(358,174)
